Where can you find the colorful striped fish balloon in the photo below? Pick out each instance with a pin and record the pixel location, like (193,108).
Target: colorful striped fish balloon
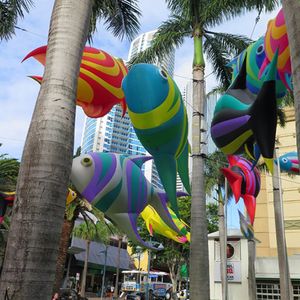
(99,82)
(254,60)
(6,199)
(289,163)
(244,180)
(116,185)
(160,121)
(276,38)
(154,223)
(242,119)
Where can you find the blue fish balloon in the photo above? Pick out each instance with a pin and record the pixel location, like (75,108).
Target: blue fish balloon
(160,121)
(289,163)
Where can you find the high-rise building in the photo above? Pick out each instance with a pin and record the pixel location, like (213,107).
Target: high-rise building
(114,133)
(142,42)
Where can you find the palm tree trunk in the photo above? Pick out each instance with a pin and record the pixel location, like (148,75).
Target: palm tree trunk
(291,10)
(62,253)
(85,268)
(199,266)
(116,291)
(251,270)
(46,162)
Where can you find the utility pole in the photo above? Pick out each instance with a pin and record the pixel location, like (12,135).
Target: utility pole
(251,269)
(285,282)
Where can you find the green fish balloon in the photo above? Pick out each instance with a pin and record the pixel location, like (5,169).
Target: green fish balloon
(160,121)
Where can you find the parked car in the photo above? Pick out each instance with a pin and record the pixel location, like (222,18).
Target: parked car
(135,296)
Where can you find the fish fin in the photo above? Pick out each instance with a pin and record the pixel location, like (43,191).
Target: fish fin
(263,68)
(127,222)
(166,168)
(250,203)
(139,160)
(37,78)
(246,228)
(263,113)
(39,54)
(235,182)
(183,168)
(232,159)
(159,203)
(240,80)
(124,106)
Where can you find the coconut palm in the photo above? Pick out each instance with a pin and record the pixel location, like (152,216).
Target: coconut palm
(46,162)
(89,232)
(9,12)
(193,18)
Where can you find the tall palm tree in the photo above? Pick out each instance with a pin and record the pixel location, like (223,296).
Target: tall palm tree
(193,18)
(10,10)
(89,232)
(292,20)
(46,162)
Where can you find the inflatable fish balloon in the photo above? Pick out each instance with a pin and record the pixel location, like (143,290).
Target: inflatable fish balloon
(289,163)
(276,38)
(242,119)
(244,181)
(6,199)
(99,82)
(116,185)
(246,227)
(160,121)
(255,56)
(155,223)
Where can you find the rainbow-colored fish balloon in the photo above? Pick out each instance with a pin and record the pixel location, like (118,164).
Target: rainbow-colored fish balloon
(116,185)
(99,82)
(160,121)
(255,56)
(155,224)
(244,180)
(276,39)
(242,119)
(6,199)
(289,163)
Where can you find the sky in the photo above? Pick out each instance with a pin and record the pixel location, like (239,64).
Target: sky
(18,93)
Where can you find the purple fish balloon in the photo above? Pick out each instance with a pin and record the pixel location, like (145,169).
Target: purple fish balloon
(116,185)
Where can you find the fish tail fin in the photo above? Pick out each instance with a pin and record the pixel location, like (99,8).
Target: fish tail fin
(235,182)
(263,113)
(39,54)
(183,170)
(124,106)
(37,78)
(250,203)
(167,171)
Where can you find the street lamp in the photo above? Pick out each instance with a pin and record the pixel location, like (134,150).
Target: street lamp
(159,248)
(104,271)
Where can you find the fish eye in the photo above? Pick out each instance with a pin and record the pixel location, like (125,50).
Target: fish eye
(163,74)
(284,160)
(86,162)
(260,49)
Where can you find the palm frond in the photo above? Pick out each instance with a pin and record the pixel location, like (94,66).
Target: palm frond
(233,44)
(281,117)
(120,17)
(288,99)
(9,13)
(219,58)
(218,90)
(169,35)
(216,11)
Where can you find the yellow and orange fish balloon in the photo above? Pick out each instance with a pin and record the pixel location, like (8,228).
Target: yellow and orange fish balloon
(99,82)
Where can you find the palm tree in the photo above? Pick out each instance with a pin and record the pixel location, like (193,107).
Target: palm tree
(192,19)
(46,162)
(89,232)
(292,21)
(9,169)
(9,13)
